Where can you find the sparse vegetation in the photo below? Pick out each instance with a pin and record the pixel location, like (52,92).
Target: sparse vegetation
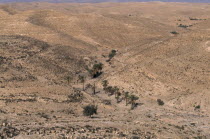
(82,79)
(8,131)
(96,70)
(9,10)
(174,32)
(69,79)
(90,110)
(107,102)
(112,54)
(133,99)
(197,107)
(110,90)
(184,26)
(76,96)
(160,102)
(94,88)
(88,86)
(116,90)
(105,84)
(126,97)
(150,55)
(117,96)
(195,18)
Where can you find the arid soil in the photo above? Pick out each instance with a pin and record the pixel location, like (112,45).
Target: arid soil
(163,52)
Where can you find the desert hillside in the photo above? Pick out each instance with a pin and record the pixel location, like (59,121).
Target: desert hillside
(157,52)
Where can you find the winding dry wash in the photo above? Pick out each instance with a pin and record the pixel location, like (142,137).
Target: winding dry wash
(143,66)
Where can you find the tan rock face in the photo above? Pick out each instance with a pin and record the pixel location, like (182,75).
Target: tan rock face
(44,47)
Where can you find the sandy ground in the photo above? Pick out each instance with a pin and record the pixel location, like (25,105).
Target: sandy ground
(42,44)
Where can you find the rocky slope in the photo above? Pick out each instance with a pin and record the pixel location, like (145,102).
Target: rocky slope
(43,45)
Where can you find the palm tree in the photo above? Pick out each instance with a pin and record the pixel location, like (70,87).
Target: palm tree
(100,67)
(118,94)
(116,90)
(69,78)
(94,88)
(126,97)
(112,54)
(96,70)
(88,86)
(105,83)
(82,79)
(109,90)
(133,99)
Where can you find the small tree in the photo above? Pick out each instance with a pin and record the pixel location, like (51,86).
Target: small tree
(133,99)
(76,96)
(88,86)
(89,110)
(82,79)
(126,97)
(160,102)
(105,84)
(69,79)
(112,54)
(174,32)
(110,90)
(197,107)
(183,26)
(117,97)
(96,70)
(116,91)
(94,88)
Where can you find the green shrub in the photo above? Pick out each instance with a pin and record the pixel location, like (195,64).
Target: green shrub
(197,107)
(76,96)
(183,26)
(133,100)
(174,32)
(193,18)
(160,102)
(96,70)
(111,55)
(89,110)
